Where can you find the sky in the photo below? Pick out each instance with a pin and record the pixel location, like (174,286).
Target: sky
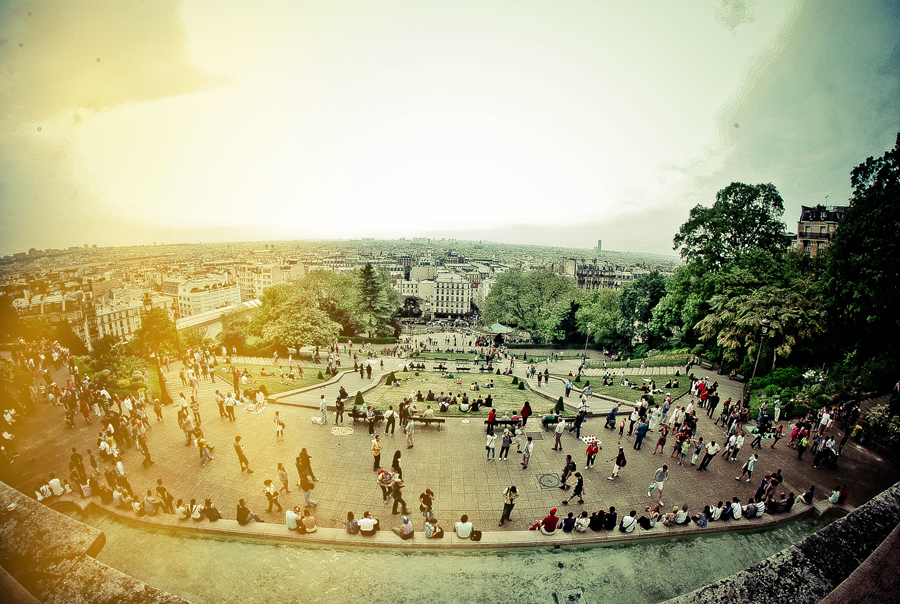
(127,122)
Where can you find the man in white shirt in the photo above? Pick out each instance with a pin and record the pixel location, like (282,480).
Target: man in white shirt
(560,428)
(711,450)
(55,485)
(463,527)
(368,525)
(736,508)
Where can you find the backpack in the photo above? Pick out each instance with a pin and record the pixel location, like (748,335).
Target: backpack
(624,461)
(475,536)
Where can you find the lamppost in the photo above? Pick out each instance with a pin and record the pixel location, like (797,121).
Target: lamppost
(587,338)
(765,323)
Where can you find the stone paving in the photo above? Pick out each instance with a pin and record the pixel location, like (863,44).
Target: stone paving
(450,461)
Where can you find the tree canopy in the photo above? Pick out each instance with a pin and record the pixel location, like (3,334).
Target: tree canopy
(743,218)
(156,335)
(536,301)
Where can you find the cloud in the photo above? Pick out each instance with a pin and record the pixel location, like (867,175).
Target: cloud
(62,63)
(732,13)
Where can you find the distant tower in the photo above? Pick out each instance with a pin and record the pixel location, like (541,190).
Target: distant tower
(599,246)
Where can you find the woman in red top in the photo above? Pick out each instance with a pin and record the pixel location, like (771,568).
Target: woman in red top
(492,417)
(526,412)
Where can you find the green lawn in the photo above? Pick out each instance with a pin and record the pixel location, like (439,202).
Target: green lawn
(627,394)
(507,398)
(273,384)
(427,356)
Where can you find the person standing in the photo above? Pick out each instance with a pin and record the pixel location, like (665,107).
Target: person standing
(165,496)
(578,491)
(525,413)
(591,454)
(426,504)
(279,428)
(410,428)
(385,480)
(619,463)
(395,465)
(239,449)
(229,406)
(220,401)
(557,434)
(339,411)
(711,450)
(390,420)
(659,479)
(376,453)
(490,446)
(505,444)
(78,461)
(323,408)
(510,494)
(526,454)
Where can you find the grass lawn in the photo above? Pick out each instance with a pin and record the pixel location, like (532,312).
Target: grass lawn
(426,356)
(507,398)
(627,394)
(664,359)
(273,384)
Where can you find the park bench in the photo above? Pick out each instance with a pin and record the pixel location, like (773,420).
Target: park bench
(705,363)
(551,426)
(739,377)
(431,420)
(463,368)
(361,416)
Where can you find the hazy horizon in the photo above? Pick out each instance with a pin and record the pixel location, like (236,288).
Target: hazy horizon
(127,122)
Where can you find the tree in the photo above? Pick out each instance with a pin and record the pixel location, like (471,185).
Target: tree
(411,308)
(35,328)
(536,301)
(15,386)
(377,301)
(9,319)
(743,218)
(156,335)
(600,308)
(298,322)
(636,307)
(862,280)
(735,323)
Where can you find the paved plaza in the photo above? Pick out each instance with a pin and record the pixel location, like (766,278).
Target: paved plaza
(449,460)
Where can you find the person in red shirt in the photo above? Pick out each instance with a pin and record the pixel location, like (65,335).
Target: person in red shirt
(548,524)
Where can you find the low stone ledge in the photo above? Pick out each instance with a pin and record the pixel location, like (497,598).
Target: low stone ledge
(325,536)
(808,571)
(52,557)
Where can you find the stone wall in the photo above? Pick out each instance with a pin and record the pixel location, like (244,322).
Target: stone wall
(52,557)
(810,570)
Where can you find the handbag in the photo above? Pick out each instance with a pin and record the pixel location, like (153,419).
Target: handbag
(475,536)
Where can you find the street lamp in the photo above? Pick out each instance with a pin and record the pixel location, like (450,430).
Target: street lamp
(587,338)
(765,323)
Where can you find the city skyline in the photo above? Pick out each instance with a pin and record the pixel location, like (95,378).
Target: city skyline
(130,123)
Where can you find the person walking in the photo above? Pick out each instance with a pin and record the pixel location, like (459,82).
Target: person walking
(711,450)
(397,495)
(505,444)
(619,463)
(557,434)
(526,454)
(578,491)
(640,432)
(304,466)
(283,477)
(659,479)
(748,467)
(490,446)
(510,494)
(271,494)
(230,403)
(239,449)
(307,487)
(567,472)
(376,453)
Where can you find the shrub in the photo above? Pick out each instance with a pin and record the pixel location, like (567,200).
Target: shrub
(521,385)
(122,383)
(560,405)
(359,400)
(577,379)
(498,372)
(321,377)
(391,378)
(405,369)
(515,380)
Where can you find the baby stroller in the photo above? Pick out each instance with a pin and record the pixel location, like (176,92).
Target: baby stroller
(611,421)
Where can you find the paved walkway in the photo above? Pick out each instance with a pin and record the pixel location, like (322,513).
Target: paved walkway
(450,461)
